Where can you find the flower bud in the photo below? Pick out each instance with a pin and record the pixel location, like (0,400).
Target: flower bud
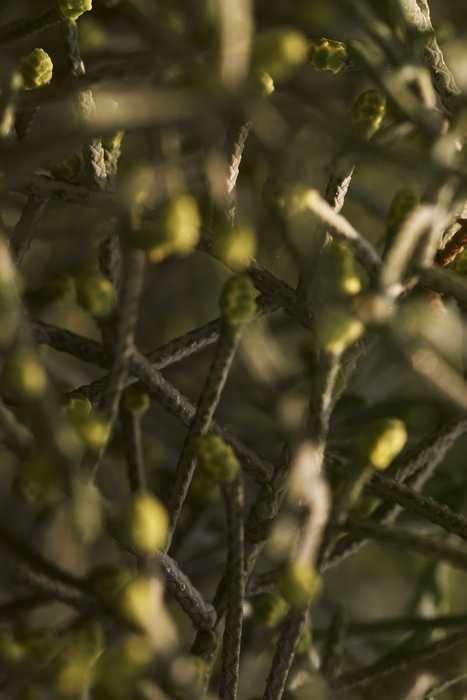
(269,609)
(148,523)
(279,50)
(337,329)
(367,113)
(235,245)
(108,580)
(379,442)
(283,196)
(237,300)
(72,9)
(403,203)
(24,375)
(135,399)
(175,233)
(77,406)
(326,54)
(216,459)
(300,583)
(94,292)
(36,68)
(261,83)
(338,271)
(67,168)
(93,431)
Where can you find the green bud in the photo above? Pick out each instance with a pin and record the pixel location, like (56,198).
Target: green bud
(379,442)
(338,271)
(141,601)
(24,375)
(67,168)
(216,459)
(279,50)
(237,300)
(77,407)
(93,431)
(175,233)
(147,522)
(367,113)
(300,583)
(261,83)
(235,245)
(118,671)
(283,196)
(108,580)
(403,203)
(59,289)
(10,649)
(94,292)
(460,266)
(41,645)
(203,490)
(269,609)
(326,54)
(72,9)
(337,329)
(135,399)
(36,68)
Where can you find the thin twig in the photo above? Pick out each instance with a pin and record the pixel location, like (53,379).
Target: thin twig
(22,27)
(25,229)
(131,431)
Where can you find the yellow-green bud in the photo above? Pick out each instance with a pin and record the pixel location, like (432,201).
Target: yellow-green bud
(119,670)
(10,649)
(279,50)
(141,601)
(77,406)
(203,490)
(367,113)
(67,168)
(176,233)
(41,645)
(135,399)
(93,431)
(283,196)
(338,271)
(261,83)
(337,329)
(269,609)
(36,68)
(326,54)
(379,442)
(460,266)
(108,580)
(235,245)
(216,459)
(94,292)
(299,584)
(59,289)
(403,203)
(72,9)
(237,300)
(147,522)
(24,375)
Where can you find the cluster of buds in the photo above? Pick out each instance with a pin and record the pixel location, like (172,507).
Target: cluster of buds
(237,300)
(216,459)
(326,54)
(367,113)
(71,9)
(36,69)
(147,522)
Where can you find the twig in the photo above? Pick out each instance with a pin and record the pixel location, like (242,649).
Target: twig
(409,541)
(235,574)
(93,152)
(26,226)
(207,404)
(131,430)
(363,676)
(22,27)
(284,654)
(397,625)
(334,642)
